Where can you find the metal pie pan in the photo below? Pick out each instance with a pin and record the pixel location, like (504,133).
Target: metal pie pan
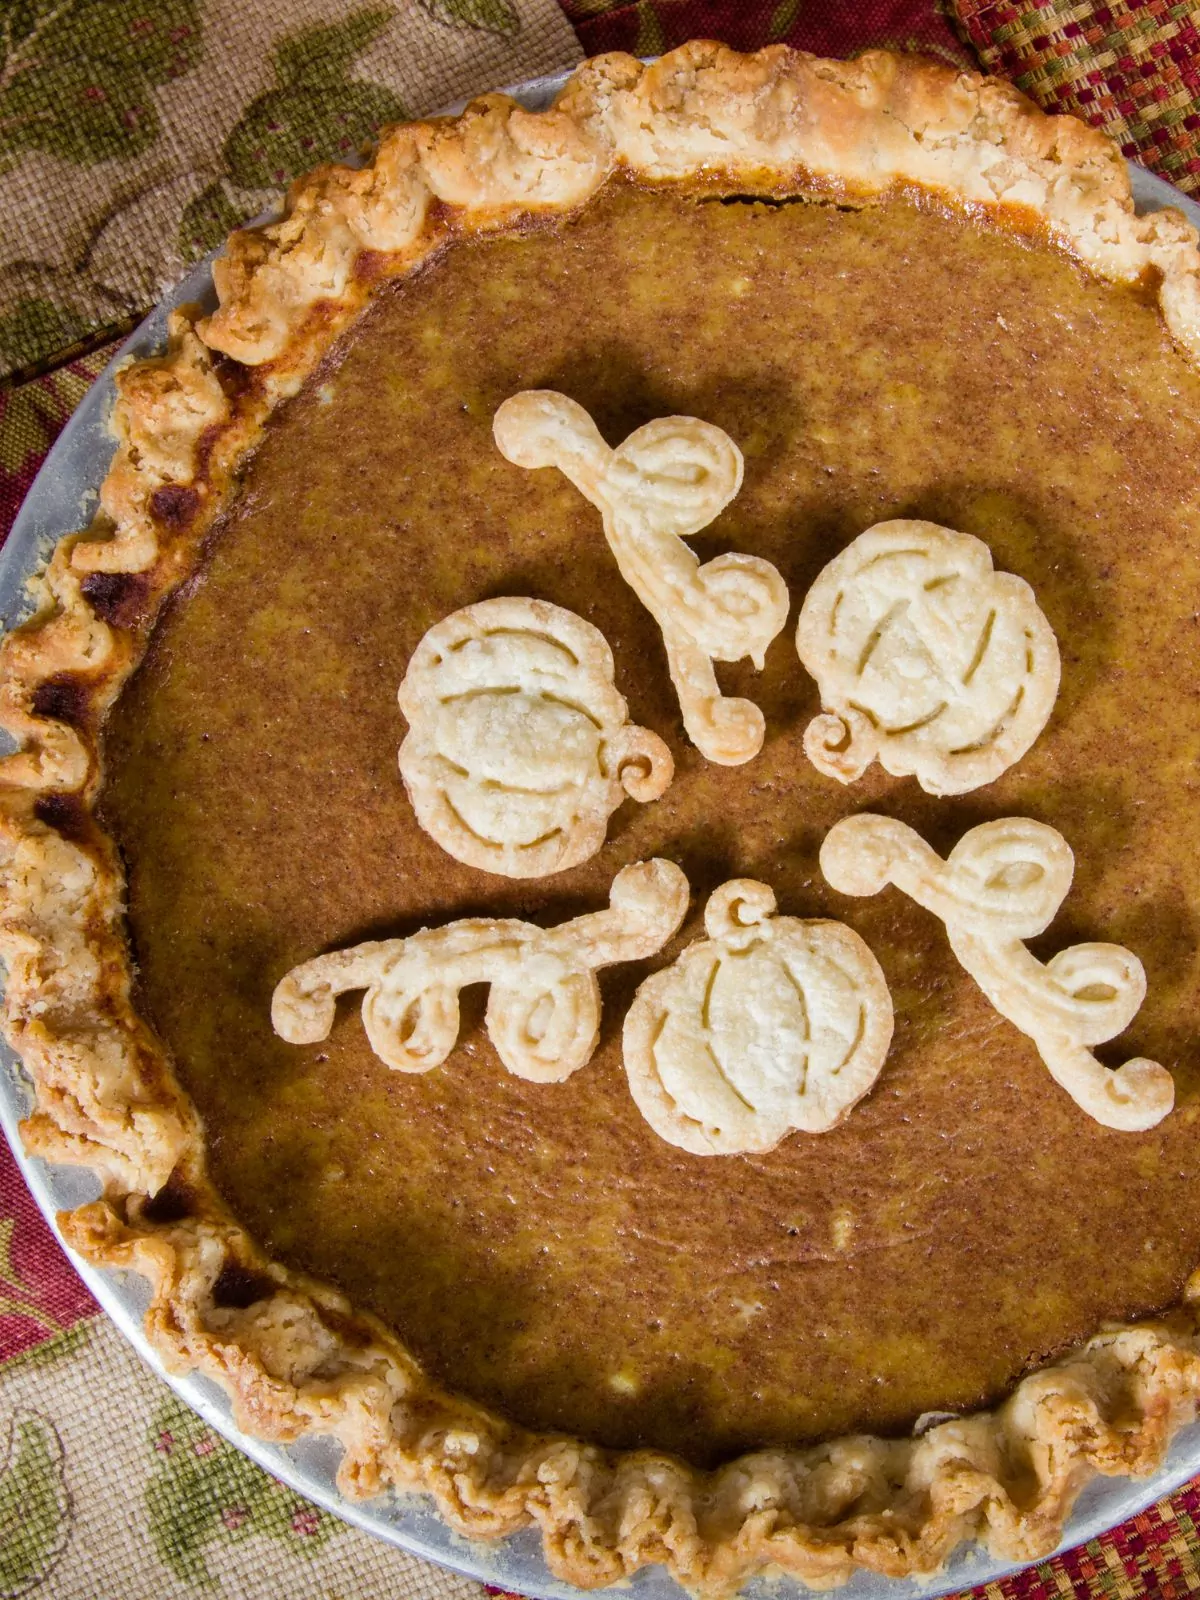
(62,500)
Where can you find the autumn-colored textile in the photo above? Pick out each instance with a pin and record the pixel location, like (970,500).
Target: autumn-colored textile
(108,1486)
(31,418)
(134,135)
(1131,67)
(647,27)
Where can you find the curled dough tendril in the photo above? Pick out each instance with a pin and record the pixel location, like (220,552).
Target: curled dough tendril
(1002,884)
(543,1012)
(667,481)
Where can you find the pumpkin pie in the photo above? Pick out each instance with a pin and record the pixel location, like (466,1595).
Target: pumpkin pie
(904,293)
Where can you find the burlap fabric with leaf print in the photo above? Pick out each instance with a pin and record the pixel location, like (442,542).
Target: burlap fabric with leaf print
(110,1487)
(135,133)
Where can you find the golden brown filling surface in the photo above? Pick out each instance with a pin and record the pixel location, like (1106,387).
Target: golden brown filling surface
(539,1246)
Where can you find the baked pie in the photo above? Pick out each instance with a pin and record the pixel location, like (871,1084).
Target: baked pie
(906,296)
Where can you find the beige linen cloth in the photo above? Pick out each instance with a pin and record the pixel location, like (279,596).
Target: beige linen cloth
(113,1490)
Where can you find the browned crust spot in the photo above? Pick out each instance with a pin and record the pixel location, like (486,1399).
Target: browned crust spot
(291,1353)
(120,598)
(175,506)
(63,698)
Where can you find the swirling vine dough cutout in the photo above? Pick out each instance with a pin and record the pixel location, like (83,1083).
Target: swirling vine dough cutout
(543,1012)
(664,483)
(518,750)
(926,658)
(1003,883)
(768,1025)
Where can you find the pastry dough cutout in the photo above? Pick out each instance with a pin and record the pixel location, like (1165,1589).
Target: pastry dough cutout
(768,1025)
(543,1012)
(518,750)
(927,659)
(1002,884)
(663,484)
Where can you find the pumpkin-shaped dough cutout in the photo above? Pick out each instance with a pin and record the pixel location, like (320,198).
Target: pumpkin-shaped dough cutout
(768,1025)
(927,659)
(518,750)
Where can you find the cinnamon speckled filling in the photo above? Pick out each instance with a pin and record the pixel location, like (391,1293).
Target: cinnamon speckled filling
(537,1245)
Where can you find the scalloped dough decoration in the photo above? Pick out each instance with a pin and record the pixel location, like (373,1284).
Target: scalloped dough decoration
(666,481)
(543,1012)
(771,1024)
(1002,884)
(519,750)
(927,659)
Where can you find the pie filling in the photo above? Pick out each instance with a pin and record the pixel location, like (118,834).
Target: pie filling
(537,1245)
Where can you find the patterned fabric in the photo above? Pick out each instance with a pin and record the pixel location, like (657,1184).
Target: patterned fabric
(1131,68)
(108,1486)
(31,417)
(134,134)
(647,27)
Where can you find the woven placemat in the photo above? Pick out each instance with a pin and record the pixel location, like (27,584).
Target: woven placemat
(1131,68)
(647,27)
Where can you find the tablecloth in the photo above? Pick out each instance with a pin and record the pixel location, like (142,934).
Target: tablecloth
(132,136)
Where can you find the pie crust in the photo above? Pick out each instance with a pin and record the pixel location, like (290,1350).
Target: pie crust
(293,1355)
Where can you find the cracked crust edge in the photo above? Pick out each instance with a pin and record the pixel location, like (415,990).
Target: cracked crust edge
(292,1354)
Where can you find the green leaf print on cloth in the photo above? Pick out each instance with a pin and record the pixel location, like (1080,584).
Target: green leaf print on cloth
(35,1506)
(492,16)
(651,40)
(34,325)
(77,76)
(317,112)
(783,19)
(210,217)
(202,1490)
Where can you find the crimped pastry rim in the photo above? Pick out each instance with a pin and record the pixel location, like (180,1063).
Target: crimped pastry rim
(291,1354)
